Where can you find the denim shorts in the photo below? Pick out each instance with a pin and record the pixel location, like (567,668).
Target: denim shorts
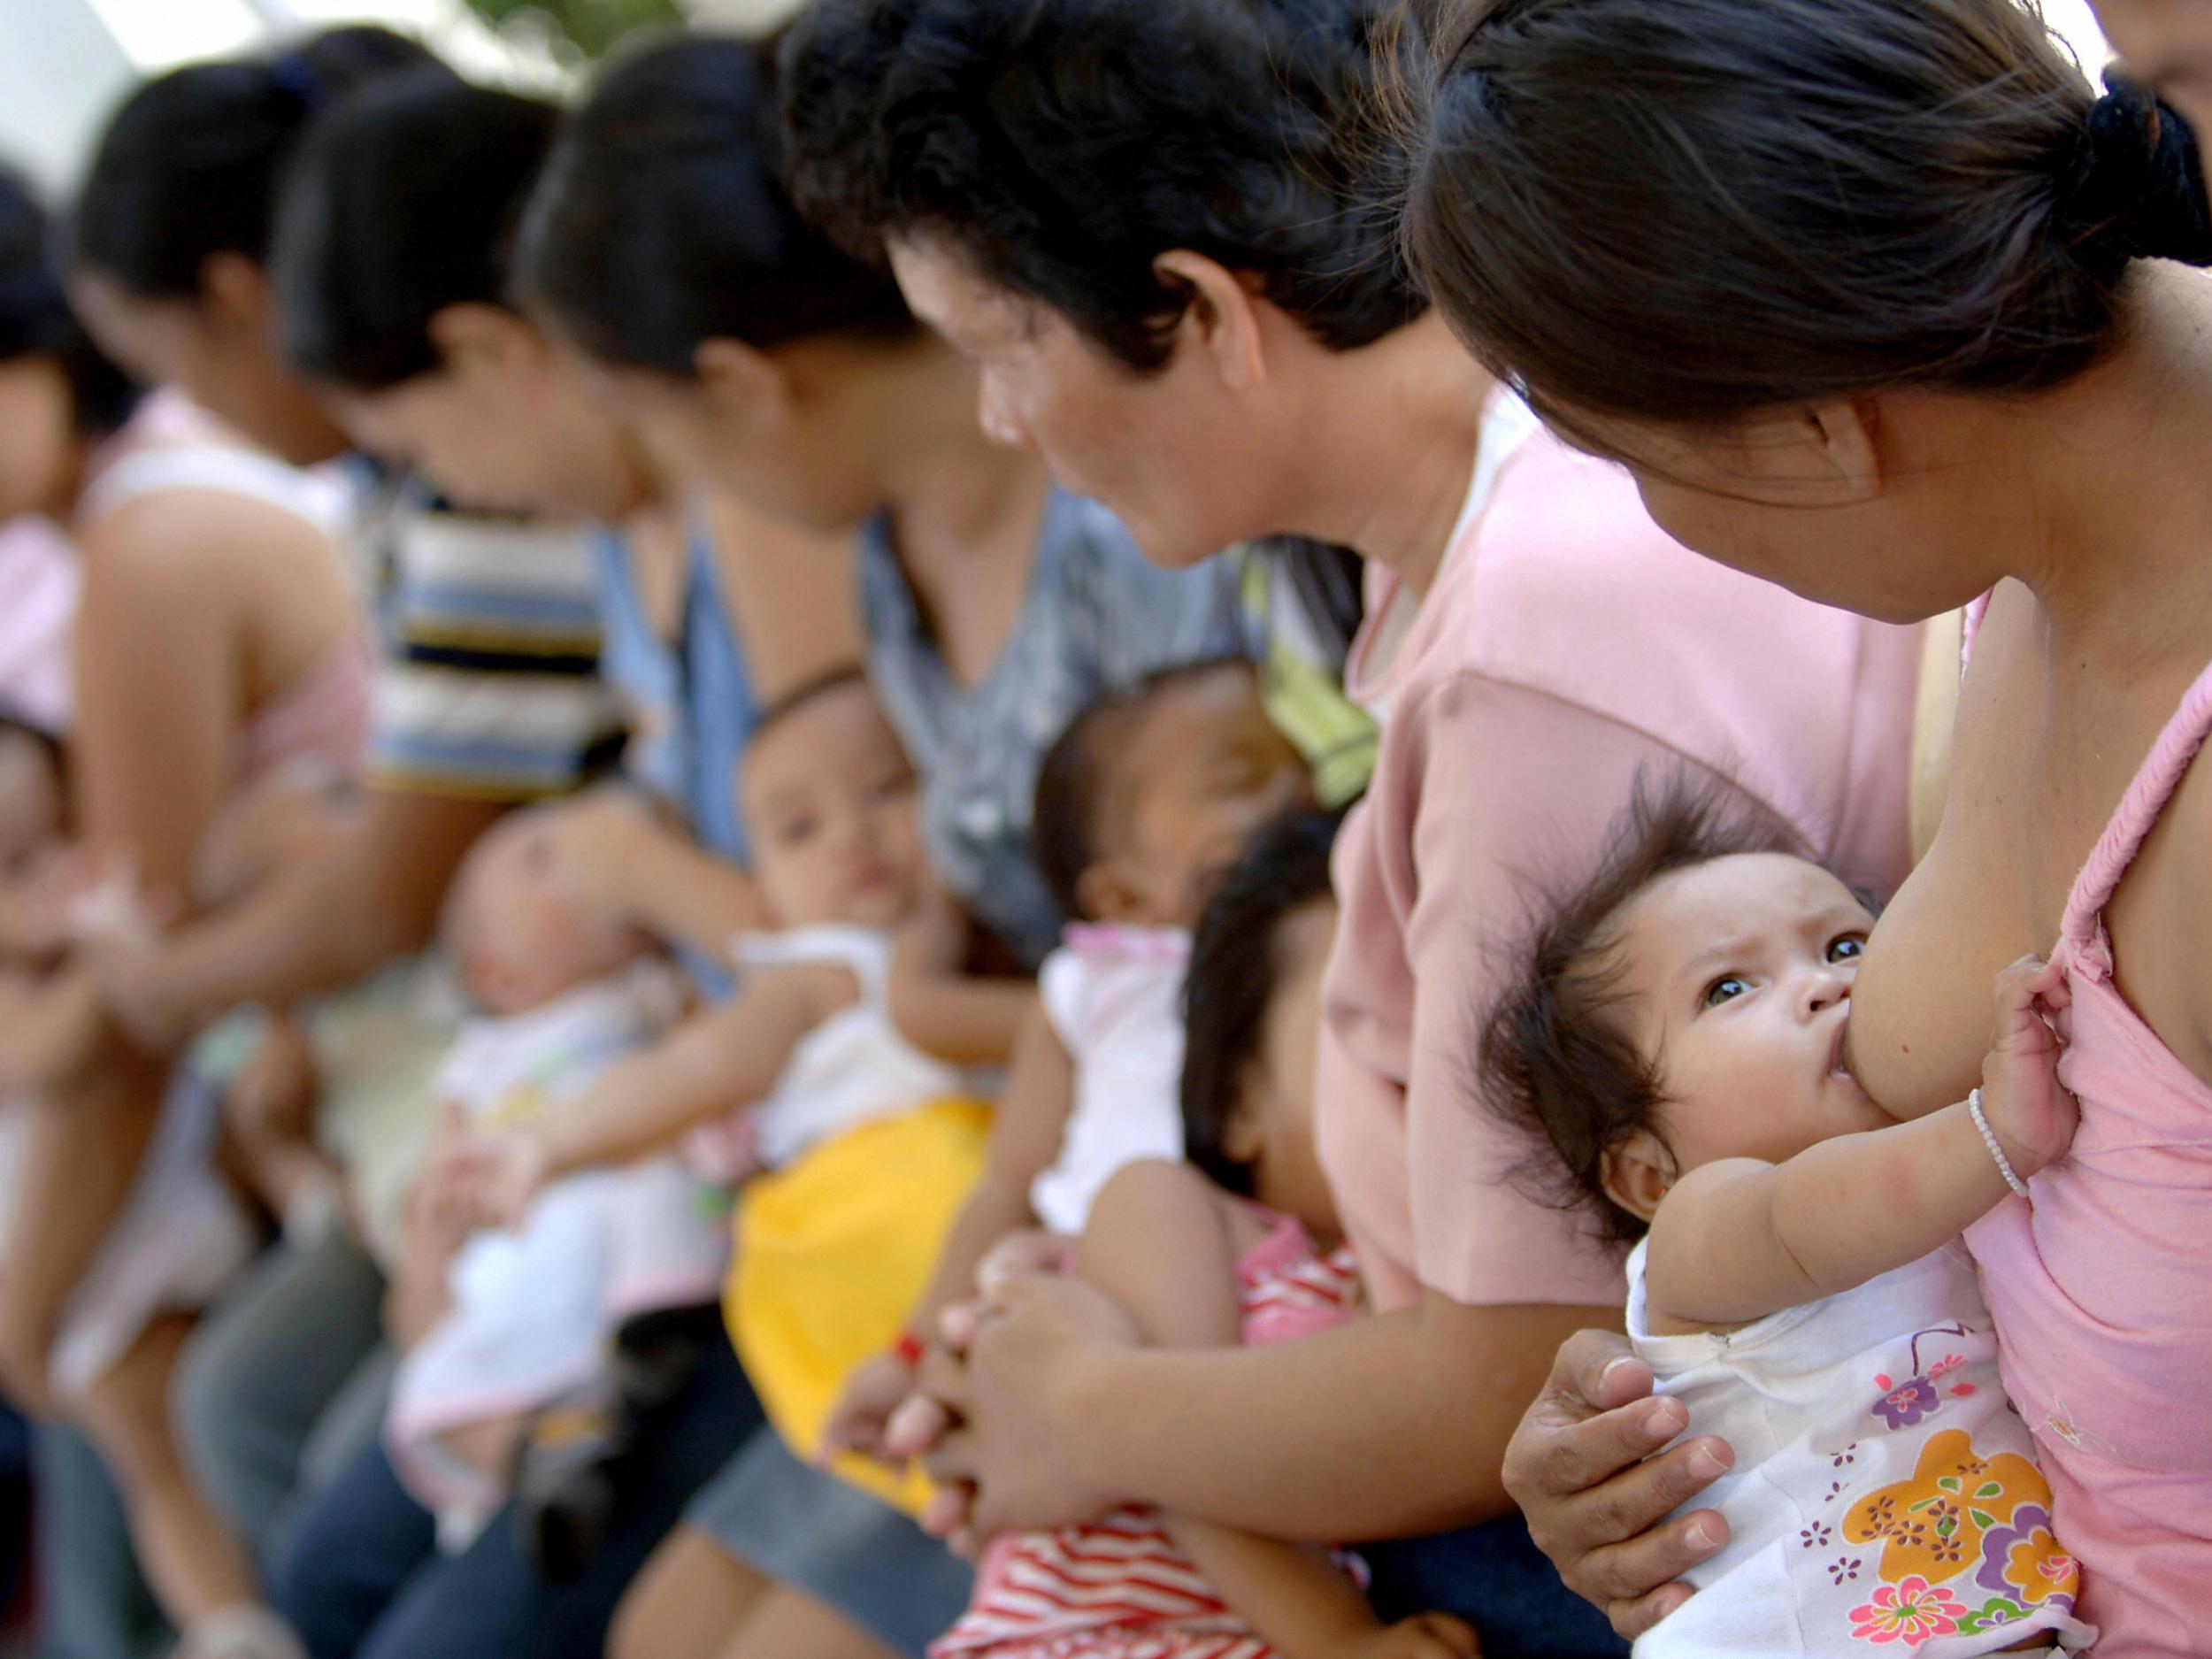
(1494,1577)
(808,1529)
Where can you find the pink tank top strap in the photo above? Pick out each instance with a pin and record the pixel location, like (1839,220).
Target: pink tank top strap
(2139,811)
(1970,627)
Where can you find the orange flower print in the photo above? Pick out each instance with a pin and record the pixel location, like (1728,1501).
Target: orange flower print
(1933,1524)
(1910,1612)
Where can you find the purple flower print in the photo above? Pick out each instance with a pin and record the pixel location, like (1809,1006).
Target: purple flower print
(2024,1559)
(1907,1403)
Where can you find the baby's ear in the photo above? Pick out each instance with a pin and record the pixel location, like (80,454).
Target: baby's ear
(1109,893)
(1637,1173)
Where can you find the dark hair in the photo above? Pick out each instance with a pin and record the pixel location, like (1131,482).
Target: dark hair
(1073,796)
(35,319)
(187,167)
(1689,210)
(1234,968)
(662,219)
(404,201)
(1063,147)
(1554,1058)
(805,695)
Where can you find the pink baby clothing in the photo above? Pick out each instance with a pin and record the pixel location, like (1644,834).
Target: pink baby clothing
(1119,1588)
(39,584)
(2101,1281)
(1567,647)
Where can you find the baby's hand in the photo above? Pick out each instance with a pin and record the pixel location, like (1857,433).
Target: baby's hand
(2031,1113)
(873,1393)
(1426,1636)
(490,1178)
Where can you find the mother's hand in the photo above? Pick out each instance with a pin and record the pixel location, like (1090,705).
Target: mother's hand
(1582,1469)
(994,1416)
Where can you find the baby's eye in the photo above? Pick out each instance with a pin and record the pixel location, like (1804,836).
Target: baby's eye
(1850,948)
(1725,989)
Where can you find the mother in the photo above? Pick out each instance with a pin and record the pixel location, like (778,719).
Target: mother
(1918,353)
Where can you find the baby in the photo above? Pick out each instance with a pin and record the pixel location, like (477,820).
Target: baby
(1241,1245)
(498,1327)
(1677,1037)
(1141,804)
(803,1055)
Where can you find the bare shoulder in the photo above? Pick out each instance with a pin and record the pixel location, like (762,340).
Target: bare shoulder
(1151,1195)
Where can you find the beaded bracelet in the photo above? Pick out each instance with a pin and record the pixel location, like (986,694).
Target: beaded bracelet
(1989,1139)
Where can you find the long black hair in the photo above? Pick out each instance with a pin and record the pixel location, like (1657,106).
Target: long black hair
(189,165)
(663,220)
(404,201)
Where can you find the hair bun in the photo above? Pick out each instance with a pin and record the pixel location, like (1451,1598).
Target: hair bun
(2139,185)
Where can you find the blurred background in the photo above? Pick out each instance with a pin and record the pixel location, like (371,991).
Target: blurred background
(68,61)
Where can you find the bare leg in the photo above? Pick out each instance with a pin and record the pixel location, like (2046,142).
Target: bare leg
(792,1624)
(193,1564)
(685,1603)
(79,1160)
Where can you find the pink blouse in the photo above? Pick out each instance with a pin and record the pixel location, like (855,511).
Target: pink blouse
(1566,645)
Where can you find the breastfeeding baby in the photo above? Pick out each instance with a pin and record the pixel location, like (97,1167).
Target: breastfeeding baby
(803,1053)
(1140,804)
(1674,1042)
(501,1327)
(1241,1244)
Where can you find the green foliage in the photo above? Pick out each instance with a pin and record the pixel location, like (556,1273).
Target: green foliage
(588,26)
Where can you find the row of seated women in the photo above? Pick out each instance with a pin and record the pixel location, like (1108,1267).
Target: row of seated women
(1123,828)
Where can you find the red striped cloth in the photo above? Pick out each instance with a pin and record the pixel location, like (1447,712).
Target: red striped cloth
(1119,1588)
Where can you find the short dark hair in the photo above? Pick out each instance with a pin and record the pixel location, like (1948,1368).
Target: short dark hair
(1690,209)
(1234,968)
(404,201)
(188,164)
(804,695)
(35,319)
(1071,797)
(1557,1061)
(1062,148)
(662,219)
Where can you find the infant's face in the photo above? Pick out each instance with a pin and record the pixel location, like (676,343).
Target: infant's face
(1739,975)
(517,939)
(32,807)
(829,802)
(1197,774)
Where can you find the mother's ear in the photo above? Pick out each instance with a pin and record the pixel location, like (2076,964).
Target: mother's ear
(1220,321)
(475,339)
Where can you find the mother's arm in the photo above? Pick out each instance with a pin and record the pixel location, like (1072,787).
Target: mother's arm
(160,677)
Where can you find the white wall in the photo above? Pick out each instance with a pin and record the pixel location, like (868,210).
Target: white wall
(60,72)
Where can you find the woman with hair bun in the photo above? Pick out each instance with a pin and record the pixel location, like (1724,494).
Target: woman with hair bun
(169,241)
(1904,325)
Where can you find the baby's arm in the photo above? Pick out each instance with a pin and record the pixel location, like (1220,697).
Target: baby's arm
(938,1005)
(717,1060)
(1026,1132)
(611,853)
(1738,1240)
(1159,1242)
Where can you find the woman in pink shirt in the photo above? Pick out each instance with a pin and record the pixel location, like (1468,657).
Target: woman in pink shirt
(1173,303)
(1916,354)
